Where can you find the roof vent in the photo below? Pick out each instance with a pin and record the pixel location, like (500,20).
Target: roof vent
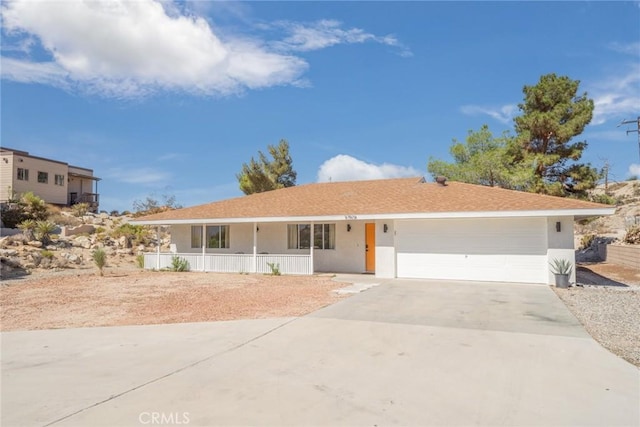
(442,180)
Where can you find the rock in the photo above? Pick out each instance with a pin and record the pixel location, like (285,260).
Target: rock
(51,248)
(82,242)
(35,244)
(8,252)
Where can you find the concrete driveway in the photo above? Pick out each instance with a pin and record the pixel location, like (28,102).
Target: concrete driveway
(405,352)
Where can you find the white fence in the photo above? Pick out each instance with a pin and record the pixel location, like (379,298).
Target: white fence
(233,263)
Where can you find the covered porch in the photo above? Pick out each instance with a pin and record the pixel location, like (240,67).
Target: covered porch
(290,247)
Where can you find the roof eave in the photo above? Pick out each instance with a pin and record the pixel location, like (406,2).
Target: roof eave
(577,213)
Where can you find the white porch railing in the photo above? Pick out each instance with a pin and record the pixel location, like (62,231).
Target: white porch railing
(233,263)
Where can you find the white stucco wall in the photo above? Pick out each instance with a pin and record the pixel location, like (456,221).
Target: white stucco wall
(561,244)
(385,250)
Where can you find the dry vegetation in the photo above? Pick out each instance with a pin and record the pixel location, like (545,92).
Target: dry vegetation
(142,297)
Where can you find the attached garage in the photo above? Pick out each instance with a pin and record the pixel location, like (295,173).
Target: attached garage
(489,249)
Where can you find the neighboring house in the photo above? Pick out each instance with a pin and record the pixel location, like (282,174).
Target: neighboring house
(54,181)
(404,228)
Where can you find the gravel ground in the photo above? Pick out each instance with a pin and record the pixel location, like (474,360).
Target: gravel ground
(608,305)
(128,297)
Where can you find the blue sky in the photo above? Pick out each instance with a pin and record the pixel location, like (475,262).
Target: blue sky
(172,97)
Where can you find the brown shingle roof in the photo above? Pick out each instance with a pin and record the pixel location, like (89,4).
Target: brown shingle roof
(375,197)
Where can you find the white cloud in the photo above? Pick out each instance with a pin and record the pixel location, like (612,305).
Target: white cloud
(617,96)
(504,114)
(634,169)
(135,175)
(125,49)
(346,168)
(325,33)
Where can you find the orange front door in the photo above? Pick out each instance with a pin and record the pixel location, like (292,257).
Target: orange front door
(370,247)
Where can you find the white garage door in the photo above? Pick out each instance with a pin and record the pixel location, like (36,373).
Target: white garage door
(510,250)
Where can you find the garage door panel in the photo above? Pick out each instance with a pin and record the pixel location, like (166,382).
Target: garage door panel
(490,249)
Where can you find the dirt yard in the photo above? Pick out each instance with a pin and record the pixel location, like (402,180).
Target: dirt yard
(142,297)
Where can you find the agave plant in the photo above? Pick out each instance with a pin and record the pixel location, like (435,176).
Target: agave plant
(561,266)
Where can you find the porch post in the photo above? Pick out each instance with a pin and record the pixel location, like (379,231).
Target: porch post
(204,246)
(158,248)
(311,245)
(255,247)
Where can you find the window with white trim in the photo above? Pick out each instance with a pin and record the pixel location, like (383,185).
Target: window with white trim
(43,177)
(196,236)
(299,236)
(59,180)
(23,174)
(217,236)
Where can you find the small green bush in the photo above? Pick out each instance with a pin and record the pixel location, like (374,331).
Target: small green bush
(80,209)
(100,258)
(275,268)
(135,234)
(100,230)
(46,254)
(140,261)
(179,264)
(28,227)
(604,199)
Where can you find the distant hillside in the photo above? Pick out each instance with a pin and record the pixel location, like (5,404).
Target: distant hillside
(626,195)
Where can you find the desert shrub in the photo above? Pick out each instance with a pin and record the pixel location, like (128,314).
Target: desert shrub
(28,206)
(12,214)
(179,264)
(28,227)
(275,268)
(100,230)
(604,199)
(114,213)
(153,204)
(43,231)
(46,254)
(135,234)
(633,235)
(34,206)
(64,220)
(80,209)
(140,261)
(99,257)
(587,240)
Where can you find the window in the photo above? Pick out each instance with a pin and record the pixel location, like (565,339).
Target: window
(23,174)
(217,236)
(43,177)
(59,180)
(299,236)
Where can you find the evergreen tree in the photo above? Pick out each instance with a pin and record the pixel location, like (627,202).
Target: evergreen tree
(481,159)
(263,174)
(552,115)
